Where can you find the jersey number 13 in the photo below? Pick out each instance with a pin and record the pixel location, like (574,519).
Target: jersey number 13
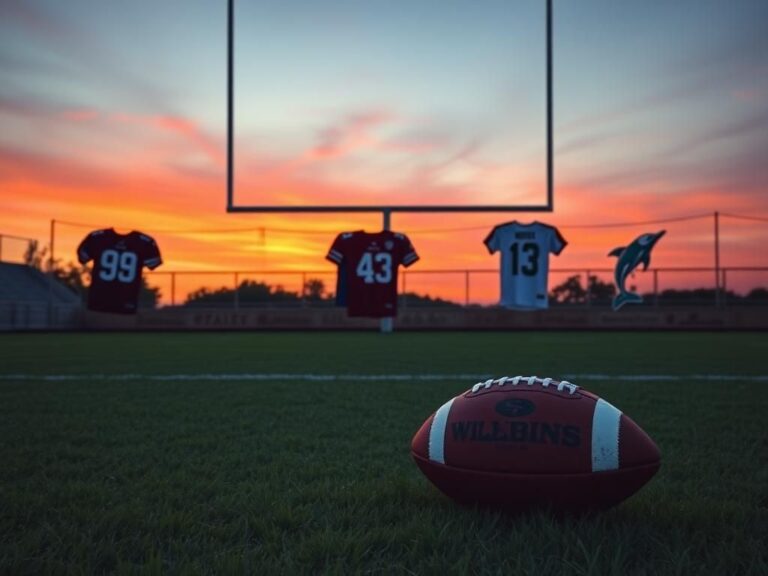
(525,258)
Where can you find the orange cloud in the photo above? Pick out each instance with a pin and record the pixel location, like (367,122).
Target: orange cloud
(178,207)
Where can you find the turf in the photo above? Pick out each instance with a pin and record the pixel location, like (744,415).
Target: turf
(147,476)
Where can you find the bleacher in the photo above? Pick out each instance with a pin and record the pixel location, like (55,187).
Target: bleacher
(30,300)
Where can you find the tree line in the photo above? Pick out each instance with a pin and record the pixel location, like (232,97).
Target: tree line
(314,291)
(572,291)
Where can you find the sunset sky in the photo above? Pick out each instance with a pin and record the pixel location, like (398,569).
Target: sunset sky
(114,114)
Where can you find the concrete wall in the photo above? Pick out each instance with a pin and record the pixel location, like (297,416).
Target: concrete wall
(35,315)
(39,316)
(453,319)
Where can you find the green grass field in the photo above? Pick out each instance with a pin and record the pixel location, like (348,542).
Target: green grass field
(126,453)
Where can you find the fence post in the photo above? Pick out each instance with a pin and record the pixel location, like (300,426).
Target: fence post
(51,273)
(717,259)
(386,324)
(52,240)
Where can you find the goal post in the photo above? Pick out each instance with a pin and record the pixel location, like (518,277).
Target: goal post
(233,206)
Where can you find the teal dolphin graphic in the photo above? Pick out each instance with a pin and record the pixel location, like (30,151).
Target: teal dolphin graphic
(630,257)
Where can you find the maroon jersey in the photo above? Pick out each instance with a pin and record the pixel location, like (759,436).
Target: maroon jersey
(117,263)
(369,262)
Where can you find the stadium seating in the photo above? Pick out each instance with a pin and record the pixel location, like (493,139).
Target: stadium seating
(31,300)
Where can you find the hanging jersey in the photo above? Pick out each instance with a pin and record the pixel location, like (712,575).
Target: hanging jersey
(525,250)
(118,260)
(369,262)
(341,278)
(341,285)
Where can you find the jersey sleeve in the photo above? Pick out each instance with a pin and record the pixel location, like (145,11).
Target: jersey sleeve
(336,251)
(492,240)
(151,253)
(86,251)
(556,241)
(408,252)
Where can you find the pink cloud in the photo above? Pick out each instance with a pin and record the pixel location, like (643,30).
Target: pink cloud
(185,128)
(29,17)
(81,115)
(746,95)
(363,131)
(35,108)
(351,134)
(30,108)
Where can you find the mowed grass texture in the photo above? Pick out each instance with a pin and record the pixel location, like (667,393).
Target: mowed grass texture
(147,476)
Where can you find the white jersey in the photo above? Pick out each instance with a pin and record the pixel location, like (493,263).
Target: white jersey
(525,252)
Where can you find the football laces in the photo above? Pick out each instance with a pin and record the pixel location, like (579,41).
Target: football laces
(562,385)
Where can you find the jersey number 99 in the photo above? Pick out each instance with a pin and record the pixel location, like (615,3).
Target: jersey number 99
(120,266)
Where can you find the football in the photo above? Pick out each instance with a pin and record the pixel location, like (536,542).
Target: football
(525,443)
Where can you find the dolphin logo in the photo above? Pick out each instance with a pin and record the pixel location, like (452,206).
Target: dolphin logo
(630,257)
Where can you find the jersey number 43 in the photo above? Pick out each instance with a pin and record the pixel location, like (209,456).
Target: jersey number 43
(375,268)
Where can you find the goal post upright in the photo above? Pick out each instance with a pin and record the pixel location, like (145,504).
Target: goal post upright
(550,139)
(230,104)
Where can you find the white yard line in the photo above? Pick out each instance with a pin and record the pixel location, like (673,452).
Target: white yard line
(469,378)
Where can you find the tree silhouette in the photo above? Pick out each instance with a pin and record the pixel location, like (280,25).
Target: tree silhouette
(248,292)
(569,292)
(314,289)
(758,295)
(572,292)
(34,255)
(600,292)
